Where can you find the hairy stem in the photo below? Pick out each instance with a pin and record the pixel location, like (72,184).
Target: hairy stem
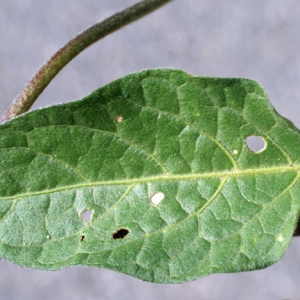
(63,56)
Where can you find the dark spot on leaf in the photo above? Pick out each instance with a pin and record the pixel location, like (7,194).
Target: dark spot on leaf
(256,143)
(82,238)
(86,215)
(120,234)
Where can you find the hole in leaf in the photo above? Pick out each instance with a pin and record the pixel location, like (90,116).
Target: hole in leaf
(256,143)
(234,151)
(82,238)
(86,216)
(119,119)
(120,234)
(157,197)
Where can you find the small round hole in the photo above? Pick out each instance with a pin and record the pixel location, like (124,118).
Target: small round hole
(120,234)
(119,119)
(256,143)
(156,198)
(86,216)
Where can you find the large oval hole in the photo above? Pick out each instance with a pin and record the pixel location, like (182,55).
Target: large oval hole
(87,215)
(157,197)
(256,143)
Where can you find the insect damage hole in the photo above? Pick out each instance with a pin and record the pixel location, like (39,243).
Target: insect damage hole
(120,234)
(157,197)
(82,237)
(119,119)
(256,143)
(87,215)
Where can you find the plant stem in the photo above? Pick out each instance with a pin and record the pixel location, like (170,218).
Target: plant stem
(63,56)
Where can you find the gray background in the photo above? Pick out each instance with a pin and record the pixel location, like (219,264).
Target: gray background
(257,39)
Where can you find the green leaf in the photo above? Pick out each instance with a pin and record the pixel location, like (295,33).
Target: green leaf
(153,175)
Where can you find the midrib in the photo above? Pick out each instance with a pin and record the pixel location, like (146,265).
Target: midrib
(168,177)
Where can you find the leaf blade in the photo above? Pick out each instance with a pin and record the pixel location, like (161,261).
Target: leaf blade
(224,208)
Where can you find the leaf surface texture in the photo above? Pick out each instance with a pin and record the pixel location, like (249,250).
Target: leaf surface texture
(160,161)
